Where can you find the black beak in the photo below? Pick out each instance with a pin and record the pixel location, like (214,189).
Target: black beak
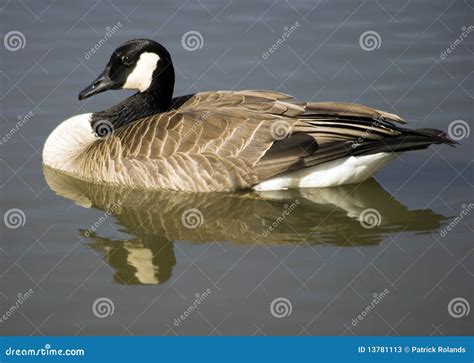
(101,84)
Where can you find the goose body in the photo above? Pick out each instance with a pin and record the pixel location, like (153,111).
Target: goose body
(222,140)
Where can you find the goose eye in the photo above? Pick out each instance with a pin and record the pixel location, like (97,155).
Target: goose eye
(126,60)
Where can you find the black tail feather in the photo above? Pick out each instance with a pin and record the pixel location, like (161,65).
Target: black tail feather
(410,140)
(438,135)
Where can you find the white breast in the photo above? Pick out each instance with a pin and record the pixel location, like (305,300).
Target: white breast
(349,170)
(67,141)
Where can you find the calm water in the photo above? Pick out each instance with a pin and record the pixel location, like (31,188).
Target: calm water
(149,257)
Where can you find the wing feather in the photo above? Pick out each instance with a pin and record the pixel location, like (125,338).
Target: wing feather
(224,141)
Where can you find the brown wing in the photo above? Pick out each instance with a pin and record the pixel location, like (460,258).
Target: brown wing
(232,140)
(327,131)
(212,141)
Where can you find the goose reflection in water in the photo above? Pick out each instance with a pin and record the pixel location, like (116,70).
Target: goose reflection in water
(155,219)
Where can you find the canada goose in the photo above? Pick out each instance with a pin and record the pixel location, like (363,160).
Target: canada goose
(222,140)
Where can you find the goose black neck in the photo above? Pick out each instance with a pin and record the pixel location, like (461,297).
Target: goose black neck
(155,99)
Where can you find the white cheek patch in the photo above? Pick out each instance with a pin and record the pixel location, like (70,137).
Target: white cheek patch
(142,74)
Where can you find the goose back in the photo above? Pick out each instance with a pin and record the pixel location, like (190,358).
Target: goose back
(226,140)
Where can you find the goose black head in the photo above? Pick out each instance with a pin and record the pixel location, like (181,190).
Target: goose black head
(139,64)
